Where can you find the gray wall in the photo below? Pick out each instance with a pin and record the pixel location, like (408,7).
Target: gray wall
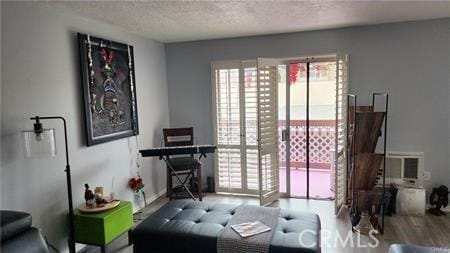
(409,60)
(41,76)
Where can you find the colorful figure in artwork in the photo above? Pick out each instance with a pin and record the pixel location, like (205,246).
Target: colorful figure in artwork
(109,87)
(110,98)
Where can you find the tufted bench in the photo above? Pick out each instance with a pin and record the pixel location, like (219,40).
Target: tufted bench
(188,226)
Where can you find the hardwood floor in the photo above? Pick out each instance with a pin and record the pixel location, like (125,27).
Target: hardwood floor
(427,230)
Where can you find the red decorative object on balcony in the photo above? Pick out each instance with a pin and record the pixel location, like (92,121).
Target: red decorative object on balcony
(294,68)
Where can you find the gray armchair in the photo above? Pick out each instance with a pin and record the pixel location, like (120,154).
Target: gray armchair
(17,234)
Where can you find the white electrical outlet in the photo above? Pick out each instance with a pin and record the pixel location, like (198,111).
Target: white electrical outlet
(426,175)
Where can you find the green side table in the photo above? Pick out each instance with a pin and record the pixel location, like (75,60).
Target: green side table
(102,228)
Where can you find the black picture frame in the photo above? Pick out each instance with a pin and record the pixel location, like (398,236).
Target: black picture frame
(109,89)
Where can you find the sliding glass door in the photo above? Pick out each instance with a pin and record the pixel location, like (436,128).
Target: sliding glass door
(312,126)
(321,128)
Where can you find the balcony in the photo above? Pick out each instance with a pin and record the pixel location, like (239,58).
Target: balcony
(322,141)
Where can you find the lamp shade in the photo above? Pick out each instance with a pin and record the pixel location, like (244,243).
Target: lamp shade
(39,145)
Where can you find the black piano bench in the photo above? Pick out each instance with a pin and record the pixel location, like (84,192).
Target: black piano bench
(188,226)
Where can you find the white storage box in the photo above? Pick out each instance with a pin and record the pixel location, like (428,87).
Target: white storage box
(410,200)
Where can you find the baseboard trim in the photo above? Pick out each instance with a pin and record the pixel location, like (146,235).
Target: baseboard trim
(156,196)
(150,200)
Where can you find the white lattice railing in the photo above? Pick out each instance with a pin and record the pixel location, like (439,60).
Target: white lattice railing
(321,141)
(322,134)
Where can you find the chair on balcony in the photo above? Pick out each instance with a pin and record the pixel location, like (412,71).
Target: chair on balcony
(186,166)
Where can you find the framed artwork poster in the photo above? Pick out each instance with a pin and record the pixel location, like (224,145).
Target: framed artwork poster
(109,89)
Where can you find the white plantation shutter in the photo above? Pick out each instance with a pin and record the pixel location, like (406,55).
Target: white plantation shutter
(340,162)
(251,127)
(229,165)
(267,86)
(226,78)
(236,132)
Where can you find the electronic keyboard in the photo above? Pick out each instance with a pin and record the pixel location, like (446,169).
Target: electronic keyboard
(179,150)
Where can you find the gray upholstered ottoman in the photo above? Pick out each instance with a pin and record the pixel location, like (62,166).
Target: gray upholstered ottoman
(188,226)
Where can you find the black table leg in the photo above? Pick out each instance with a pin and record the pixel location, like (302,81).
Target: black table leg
(130,241)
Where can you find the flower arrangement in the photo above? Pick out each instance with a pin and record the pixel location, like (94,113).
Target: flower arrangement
(137,185)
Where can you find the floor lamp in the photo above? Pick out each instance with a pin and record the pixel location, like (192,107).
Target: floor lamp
(40,142)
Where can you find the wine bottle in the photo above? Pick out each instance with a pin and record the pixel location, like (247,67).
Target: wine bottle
(374,218)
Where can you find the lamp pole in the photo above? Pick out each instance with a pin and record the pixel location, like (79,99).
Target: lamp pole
(71,240)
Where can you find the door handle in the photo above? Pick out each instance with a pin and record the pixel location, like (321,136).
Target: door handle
(284,135)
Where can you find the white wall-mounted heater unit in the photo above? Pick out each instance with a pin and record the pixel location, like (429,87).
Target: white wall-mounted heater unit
(405,168)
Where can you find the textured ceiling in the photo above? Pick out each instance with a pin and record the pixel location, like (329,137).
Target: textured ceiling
(173,21)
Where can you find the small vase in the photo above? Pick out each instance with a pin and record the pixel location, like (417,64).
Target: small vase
(364,226)
(138,200)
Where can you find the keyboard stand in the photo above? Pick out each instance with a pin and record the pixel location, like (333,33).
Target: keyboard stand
(164,152)
(183,183)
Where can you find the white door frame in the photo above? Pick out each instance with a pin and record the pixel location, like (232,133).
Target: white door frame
(252,63)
